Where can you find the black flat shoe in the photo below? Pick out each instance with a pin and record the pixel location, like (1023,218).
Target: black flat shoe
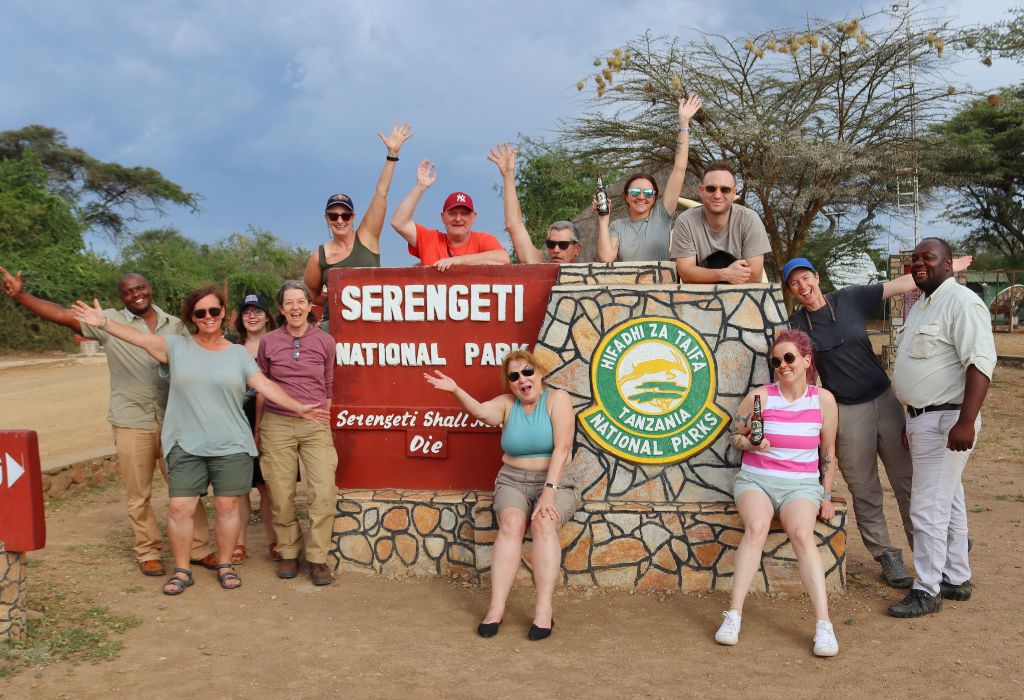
(488,629)
(538,633)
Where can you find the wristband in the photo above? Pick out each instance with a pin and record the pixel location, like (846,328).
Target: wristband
(548,484)
(106,322)
(684,129)
(393,159)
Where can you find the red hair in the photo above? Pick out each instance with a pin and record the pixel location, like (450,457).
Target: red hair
(803,344)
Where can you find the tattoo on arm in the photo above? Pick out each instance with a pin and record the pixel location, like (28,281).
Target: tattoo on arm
(826,461)
(737,441)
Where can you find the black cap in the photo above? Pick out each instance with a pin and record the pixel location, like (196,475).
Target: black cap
(257,300)
(342,199)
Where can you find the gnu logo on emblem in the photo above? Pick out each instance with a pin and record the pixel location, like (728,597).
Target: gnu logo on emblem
(653,381)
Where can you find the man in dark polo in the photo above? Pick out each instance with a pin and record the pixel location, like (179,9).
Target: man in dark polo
(138,396)
(944,362)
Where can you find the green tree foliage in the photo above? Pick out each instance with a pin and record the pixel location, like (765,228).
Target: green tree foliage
(986,166)
(1003,39)
(105,197)
(812,118)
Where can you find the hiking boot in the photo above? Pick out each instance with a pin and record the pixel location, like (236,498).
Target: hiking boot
(319,574)
(916,604)
(950,592)
(729,632)
(288,568)
(893,571)
(825,642)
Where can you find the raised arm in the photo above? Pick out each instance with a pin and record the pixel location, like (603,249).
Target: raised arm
(402,221)
(504,156)
(373,221)
(272,390)
(670,198)
(491,412)
(905,283)
(14,287)
(827,450)
(563,426)
(607,247)
(155,345)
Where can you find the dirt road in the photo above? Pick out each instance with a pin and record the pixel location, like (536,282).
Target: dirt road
(370,636)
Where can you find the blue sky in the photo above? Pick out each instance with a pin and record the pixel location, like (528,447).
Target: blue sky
(267,108)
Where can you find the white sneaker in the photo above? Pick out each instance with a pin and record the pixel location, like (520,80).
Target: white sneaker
(825,642)
(729,632)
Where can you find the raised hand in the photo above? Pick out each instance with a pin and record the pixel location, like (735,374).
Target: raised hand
(688,106)
(441,381)
(398,136)
(959,264)
(504,156)
(12,283)
(593,206)
(89,315)
(425,175)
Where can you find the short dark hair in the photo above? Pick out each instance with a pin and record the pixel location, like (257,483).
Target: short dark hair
(640,176)
(719,165)
(240,329)
(188,305)
(947,251)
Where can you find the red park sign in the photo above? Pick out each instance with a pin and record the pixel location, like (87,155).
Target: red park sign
(391,325)
(22,521)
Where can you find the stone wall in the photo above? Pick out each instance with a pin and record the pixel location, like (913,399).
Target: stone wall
(64,478)
(12,595)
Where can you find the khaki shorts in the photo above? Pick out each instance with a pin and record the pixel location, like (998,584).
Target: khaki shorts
(515,488)
(191,475)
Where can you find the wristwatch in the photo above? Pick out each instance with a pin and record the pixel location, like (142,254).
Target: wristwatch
(548,484)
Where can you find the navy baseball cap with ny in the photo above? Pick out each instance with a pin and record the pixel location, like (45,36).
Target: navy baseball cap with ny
(342,199)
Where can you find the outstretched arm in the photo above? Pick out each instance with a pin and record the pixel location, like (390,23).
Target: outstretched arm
(14,287)
(687,108)
(905,283)
(155,345)
(373,221)
(491,412)
(271,390)
(402,221)
(504,156)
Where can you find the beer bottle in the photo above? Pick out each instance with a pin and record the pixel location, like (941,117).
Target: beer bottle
(756,423)
(601,195)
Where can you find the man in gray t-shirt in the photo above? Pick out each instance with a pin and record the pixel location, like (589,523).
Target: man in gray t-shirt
(720,241)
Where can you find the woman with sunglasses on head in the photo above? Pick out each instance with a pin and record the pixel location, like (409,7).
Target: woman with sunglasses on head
(871,418)
(644,233)
(780,475)
(300,357)
(251,323)
(205,437)
(352,246)
(532,489)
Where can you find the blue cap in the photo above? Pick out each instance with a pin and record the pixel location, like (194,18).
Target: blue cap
(794,264)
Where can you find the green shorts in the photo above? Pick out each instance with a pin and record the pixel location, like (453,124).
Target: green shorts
(779,490)
(191,475)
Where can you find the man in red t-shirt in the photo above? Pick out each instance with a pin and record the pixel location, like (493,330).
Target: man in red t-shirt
(459,244)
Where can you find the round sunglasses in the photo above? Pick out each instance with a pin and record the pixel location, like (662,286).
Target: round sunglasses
(525,371)
(789,358)
(214,312)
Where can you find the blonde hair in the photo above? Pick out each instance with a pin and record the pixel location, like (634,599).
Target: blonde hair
(524,355)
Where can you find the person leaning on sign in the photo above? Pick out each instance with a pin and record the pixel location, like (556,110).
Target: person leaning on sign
(780,475)
(871,420)
(459,244)
(945,357)
(532,489)
(205,436)
(352,246)
(138,396)
(563,239)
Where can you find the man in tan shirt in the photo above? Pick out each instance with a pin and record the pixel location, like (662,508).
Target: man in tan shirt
(138,396)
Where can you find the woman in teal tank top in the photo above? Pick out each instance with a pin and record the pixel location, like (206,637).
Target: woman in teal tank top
(532,489)
(352,246)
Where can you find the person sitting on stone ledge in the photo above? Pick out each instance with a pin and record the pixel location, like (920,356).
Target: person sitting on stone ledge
(780,474)
(563,239)
(532,489)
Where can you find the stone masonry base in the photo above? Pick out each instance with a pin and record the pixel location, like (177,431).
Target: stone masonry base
(678,546)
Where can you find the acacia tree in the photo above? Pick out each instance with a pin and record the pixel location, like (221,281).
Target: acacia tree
(816,121)
(1004,39)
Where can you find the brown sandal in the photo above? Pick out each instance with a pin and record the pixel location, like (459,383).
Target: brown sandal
(239,554)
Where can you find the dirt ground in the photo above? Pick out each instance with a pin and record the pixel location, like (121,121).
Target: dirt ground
(374,636)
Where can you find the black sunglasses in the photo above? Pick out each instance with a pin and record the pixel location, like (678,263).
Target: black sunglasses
(525,371)
(789,358)
(561,245)
(214,312)
(343,215)
(295,351)
(711,189)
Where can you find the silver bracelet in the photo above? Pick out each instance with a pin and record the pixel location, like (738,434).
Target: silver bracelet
(106,322)
(684,129)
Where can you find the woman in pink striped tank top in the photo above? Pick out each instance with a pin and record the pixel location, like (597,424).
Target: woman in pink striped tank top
(781,475)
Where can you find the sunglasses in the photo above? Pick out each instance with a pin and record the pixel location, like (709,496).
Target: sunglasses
(789,358)
(295,350)
(711,189)
(343,215)
(214,312)
(561,245)
(636,192)
(525,371)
